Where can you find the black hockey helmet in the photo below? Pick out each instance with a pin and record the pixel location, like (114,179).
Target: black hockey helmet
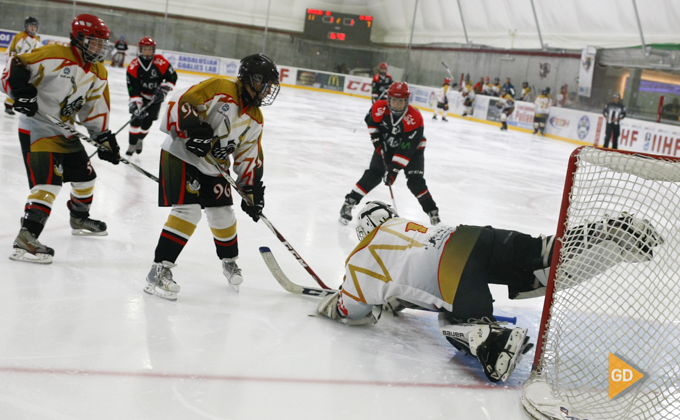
(525,84)
(31,21)
(258,69)
(546,91)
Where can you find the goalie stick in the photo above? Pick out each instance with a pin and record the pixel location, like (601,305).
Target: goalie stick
(85,138)
(285,282)
(296,289)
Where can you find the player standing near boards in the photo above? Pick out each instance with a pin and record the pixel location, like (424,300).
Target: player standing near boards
(507,105)
(397,133)
(381,82)
(149,79)
(22,43)
(542,111)
(401,263)
(443,100)
(614,112)
(66,82)
(223,118)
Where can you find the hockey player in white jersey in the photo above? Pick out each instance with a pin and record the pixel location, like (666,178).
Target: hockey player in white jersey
(67,82)
(400,263)
(443,100)
(22,43)
(541,111)
(221,117)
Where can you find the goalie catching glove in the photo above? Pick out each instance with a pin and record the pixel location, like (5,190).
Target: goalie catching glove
(329,307)
(256,195)
(200,139)
(108,150)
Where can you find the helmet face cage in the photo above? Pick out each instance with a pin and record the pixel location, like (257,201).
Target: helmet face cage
(28,22)
(146,42)
(91,36)
(258,69)
(373,215)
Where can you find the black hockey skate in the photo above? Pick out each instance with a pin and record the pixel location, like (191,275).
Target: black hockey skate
(138,146)
(346,210)
(27,248)
(434,217)
(500,352)
(87,227)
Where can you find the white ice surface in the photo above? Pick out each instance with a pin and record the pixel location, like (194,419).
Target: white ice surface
(80,340)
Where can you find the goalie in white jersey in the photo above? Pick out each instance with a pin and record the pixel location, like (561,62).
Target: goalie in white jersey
(401,263)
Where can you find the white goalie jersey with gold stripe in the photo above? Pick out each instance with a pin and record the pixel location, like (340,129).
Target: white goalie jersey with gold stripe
(405,259)
(217,102)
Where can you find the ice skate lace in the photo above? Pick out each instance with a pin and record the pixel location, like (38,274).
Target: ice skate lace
(164,276)
(232,268)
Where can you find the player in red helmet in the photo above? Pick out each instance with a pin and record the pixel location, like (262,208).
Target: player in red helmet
(149,78)
(396,130)
(381,82)
(443,100)
(53,156)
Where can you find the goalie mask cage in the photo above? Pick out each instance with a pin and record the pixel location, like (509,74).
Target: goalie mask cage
(632,309)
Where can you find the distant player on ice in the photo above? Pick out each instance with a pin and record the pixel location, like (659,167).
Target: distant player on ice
(400,263)
(397,133)
(542,111)
(507,106)
(443,100)
(381,82)
(70,83)
(223,118)
(149,79)
(22,43)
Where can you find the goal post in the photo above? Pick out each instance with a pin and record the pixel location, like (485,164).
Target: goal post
(613,293)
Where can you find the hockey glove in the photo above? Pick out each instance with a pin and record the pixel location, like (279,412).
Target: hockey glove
(109,150)
(136,109)
(161,92)
(200,139)
(376,139)
(391,173)
(26,100)
(256,195)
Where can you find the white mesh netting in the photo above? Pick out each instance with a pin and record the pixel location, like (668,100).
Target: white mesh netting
(617,288)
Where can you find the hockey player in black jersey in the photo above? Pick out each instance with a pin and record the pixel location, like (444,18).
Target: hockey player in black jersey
(381,82)
(149,78)
(396,130)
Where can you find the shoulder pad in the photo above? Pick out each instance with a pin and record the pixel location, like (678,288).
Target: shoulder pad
(379,110)
(161,62)
(413,119)
(132,67)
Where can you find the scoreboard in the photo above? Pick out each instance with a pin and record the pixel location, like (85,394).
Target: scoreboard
(325,25)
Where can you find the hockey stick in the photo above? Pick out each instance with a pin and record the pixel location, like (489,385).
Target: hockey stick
(283,280)
(448,70)
(128,122)
(85,138)
(296,289)
(211,159)
(382,155)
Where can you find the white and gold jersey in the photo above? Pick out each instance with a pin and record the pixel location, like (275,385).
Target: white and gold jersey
(23,43)
(442,95)
(417,263)
(217,102)
(542,105)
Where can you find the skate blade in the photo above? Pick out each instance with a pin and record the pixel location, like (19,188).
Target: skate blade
(85,232)
(153,290)
(23,256)
(343,221)
(235,287)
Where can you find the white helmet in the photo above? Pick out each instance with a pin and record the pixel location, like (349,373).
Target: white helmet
(373,215)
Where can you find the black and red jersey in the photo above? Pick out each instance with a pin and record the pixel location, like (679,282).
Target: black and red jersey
(144,76)
(400,135)
(381,82)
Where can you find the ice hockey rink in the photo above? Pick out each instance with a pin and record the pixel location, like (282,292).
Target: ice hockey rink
(79,339)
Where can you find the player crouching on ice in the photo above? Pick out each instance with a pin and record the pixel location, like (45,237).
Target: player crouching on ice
(223,118)
(401,264)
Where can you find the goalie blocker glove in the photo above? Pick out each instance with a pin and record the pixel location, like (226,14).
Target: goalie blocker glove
(256,195)
(109,151)
(26,100)
(200,139)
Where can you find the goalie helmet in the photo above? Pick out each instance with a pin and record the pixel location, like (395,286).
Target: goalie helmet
(398,94)
(259,73)
(373,215)
(147,41)
(31,21)
(91,36)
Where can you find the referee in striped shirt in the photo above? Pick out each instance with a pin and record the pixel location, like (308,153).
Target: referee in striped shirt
(614,112)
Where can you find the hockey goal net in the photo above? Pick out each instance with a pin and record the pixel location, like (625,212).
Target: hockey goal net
(629,308)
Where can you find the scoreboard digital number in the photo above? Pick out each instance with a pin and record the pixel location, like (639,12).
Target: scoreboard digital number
(325,25)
